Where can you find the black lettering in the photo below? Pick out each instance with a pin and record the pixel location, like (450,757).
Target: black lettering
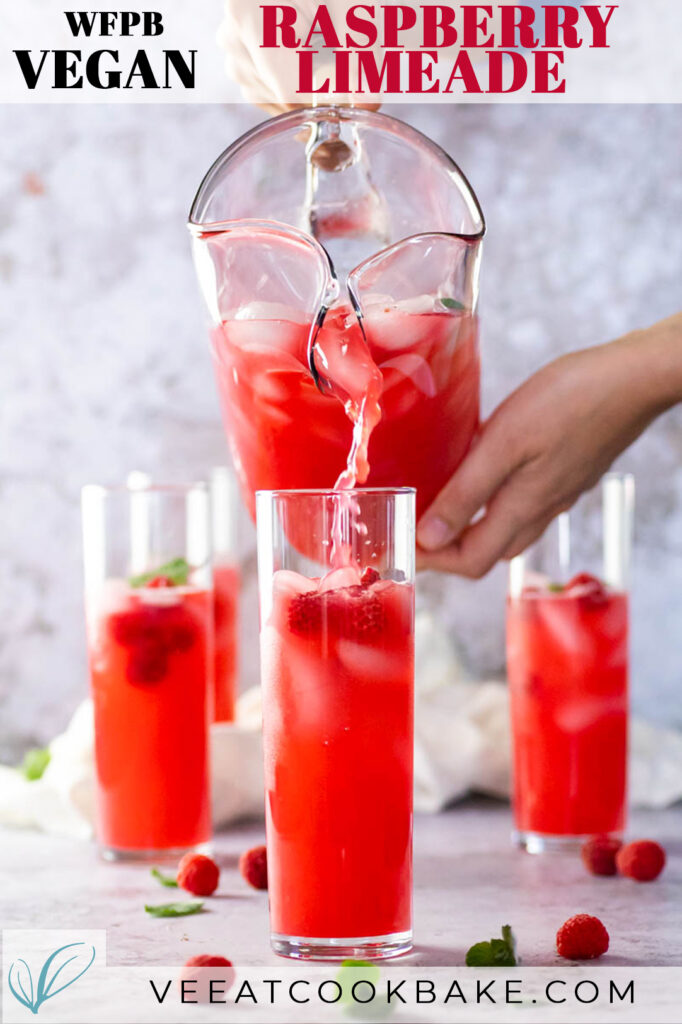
(31,75)
(272,982)
(141,68)
(129,21)
(424,983)
(62,70)
(92,71)
(153,23)
(547,992)
(509,991)
(244,991)
(183,70)
(455,992)
(291,991)
(185,990)
(107,23)
(78,20)
(160,998)
(613,990)
(338,989)
(212,991)
(480,992)
(363,981)
(395,991)
(595,989)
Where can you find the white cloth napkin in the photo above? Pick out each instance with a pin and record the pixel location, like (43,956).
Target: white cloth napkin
(461,746)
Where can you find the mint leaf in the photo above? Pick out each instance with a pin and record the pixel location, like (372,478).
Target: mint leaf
(168,880)
(496,952)
(555,588)
(34,764)
(174,909)
(177,571)
(452,303)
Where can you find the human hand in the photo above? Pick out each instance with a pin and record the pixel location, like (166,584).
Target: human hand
(552,439)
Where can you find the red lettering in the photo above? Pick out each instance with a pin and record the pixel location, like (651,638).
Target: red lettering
(271,26)
(439,23)
(306,73)
(326,29)
(366,27)
(390,68)
(397,18)
(566,25)
(463,70)
(547,67)
(471,26)
(496,65)
(599,23)
(517,18)
(417,71)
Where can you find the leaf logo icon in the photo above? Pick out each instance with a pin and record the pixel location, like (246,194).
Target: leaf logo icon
(22,988)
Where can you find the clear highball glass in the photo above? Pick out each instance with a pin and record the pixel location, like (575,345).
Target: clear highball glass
(336,578)
(567,663)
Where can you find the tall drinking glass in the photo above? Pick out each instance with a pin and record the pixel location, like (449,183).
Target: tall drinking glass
(149,613)
(567,662)
(225,505)
(336,573)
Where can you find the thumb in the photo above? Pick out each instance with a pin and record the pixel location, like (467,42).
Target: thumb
(483,471)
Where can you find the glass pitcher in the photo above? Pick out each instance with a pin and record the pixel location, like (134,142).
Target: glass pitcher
(338,252)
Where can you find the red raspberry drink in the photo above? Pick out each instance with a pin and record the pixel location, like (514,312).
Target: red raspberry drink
(337,669)
(149,616)
(567,659)
(226,588)
(414,386)
(150,656)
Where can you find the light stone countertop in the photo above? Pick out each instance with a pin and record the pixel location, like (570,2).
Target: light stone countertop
(469,881)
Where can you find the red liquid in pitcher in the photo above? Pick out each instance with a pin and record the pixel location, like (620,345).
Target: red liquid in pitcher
(337,673)
(567,662)
(414,387)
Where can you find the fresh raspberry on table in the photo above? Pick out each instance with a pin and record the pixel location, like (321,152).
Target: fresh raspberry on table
(599,855)
(643,860)
(582,938)
(198,874)
(254,867)
(205,976)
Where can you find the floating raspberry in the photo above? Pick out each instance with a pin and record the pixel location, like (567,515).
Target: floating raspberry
(599,855)
(363,615)
(643,861)
(157,582)
(179,629)
(254,867)
(582,938)
(198,874)
(205,976)
(369,577)
(589,590)
(147,664)
(129,628)
(305,614)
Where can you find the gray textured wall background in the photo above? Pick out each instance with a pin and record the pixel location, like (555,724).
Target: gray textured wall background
(104,363)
